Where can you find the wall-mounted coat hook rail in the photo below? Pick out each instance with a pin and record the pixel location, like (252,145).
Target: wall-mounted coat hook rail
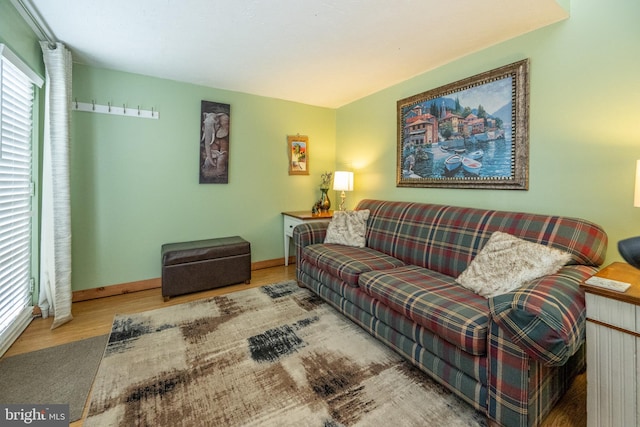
(92,107)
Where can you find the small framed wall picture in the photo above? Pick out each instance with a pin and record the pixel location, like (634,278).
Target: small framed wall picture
(298,147)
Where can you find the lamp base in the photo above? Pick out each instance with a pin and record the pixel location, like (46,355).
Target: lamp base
(630,250)
(342,197)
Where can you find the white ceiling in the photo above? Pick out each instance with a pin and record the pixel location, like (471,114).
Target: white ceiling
(319,52)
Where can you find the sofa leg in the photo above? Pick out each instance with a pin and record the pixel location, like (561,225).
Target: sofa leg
(247,282)
(493,423)
(166,298)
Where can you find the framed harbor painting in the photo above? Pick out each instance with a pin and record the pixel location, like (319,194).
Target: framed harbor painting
(214,142)
(473,133)
(298,146)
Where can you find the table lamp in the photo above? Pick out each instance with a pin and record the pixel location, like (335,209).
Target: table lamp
(343,181)
(630,248)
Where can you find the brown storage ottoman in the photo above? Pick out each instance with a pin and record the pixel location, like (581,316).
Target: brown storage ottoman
(204,264)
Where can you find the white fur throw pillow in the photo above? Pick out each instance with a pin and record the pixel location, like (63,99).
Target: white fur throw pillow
(506,262)
(348,228)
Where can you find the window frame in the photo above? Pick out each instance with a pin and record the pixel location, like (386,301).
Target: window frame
(25,74)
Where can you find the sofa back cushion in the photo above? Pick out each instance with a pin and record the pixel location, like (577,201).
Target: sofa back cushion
(446,238)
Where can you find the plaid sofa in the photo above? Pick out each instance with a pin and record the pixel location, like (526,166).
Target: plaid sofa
(512,356)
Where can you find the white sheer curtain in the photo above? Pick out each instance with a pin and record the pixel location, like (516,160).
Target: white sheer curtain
(55,243)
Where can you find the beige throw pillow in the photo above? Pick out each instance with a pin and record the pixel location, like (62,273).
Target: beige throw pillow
(348,228)
(506,263)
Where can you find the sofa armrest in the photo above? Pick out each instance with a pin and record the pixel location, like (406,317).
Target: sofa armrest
(547,316)
(308,233)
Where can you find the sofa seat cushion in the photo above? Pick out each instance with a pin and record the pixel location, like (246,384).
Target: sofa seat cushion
(434,301)
(348,262)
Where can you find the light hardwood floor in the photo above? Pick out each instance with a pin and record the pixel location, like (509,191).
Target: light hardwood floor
(94,317)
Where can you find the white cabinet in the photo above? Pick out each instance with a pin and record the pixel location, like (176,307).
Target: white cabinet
(613,350)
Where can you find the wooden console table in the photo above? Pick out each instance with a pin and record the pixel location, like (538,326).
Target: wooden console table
(613,349)
(291,219)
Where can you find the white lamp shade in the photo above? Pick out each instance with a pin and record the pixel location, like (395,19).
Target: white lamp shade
(636,197)
(343,181)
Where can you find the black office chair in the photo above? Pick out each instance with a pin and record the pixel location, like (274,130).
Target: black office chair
(630,250)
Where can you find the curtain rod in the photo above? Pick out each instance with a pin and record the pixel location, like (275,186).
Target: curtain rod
(30,14)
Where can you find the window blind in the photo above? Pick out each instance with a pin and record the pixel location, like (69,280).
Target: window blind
(16,107)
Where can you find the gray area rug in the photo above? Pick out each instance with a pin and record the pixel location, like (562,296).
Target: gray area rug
(270,356)
(55,375)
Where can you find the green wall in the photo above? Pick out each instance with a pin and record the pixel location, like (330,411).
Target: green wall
(584,130)
(135,181)
(15,33)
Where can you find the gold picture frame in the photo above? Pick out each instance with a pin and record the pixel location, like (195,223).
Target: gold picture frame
(473,133)
(298,148)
